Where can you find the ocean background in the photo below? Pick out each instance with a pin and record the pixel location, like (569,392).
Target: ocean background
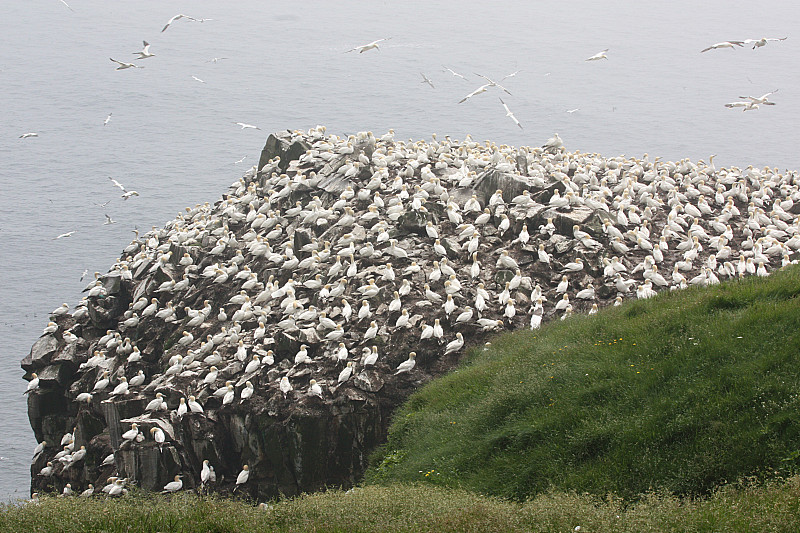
(173,139)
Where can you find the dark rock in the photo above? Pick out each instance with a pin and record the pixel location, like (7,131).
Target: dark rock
(41,353)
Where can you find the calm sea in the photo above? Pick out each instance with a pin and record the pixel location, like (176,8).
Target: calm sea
(173,139)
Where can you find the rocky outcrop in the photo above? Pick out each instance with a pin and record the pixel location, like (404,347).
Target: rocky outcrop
(272,323)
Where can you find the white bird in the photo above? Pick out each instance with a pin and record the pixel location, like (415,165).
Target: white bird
(455,345)
(364,47)
(158,435)
(245,126)
(314,388)
(345,374)
(32,384)
(493,83)
(598,56)
(406,365)
(145,53)
(173,486)
(510,115)
(109,220)
(123,65)
(195,78)
(132,433)
(207,474)
(243,476)
(66,4)
(29,134)
(194,405)
(107,120)
(285,386)
(425,79)
(758,43)
(67,234)
(723,44)
(454,73)
(479,90)
(177,17)
(761,100)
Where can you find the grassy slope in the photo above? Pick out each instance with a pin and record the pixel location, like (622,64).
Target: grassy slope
(771,507)
(679,393)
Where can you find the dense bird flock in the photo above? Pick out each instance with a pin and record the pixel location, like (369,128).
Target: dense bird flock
(367,259)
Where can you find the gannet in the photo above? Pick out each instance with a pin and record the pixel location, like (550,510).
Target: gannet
(285,386)
(246,126)
(510,115)
(425,79)
(452,346)
(178,17)
(158,435)
(723,44)
(406,365)
(345,374)
(454,73)
(123,65)
(29,135)
(479,90)
(173,486)
(145,53)
(758,43)
(598,56)
(364,47)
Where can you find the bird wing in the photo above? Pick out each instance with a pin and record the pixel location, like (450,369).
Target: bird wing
(118,62)
(508,111)
(775,39)
(173,19)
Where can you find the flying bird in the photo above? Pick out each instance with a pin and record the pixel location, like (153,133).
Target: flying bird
(758,43)
(215,59)
(239,161)
(197,79)
(761,100)
(128,194)
(67,234)
(479,90)
(363,48)
(66,4)
(746,106)
(493,83)
(454,73)
(570,111)
(510,115)
(598,56)
(245,126)
(510,75)
(145,53)
(723,44)
(122,65)
(425,79)
(178,17)
(107,120)
(117,184)
(109,220)
(30,134)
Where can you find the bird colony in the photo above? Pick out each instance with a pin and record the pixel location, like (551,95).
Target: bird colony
(342,273)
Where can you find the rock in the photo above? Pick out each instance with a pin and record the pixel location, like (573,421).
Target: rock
(41,353)
(283,147)
(368,380)
(297,439)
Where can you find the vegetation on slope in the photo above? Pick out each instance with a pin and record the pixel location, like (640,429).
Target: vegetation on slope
(678,393)
(772,507)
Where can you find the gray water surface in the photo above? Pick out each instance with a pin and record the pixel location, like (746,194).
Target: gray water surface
(172,138)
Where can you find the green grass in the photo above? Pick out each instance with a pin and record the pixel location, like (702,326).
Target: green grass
(772,507)
(679,393)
